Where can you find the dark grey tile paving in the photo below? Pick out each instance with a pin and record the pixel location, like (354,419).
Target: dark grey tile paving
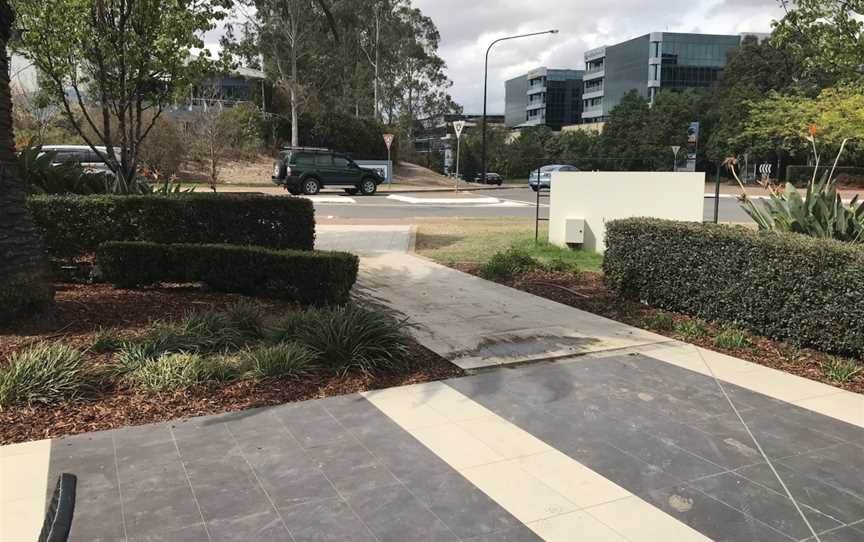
(770,507)
(311,424)
(148,510)
(834,428)
(151,466)
(829,500)
(331,520)
(839,466)
(670,459)
(97,519)
(625,470)
(730,453)
(222,499)
(191,533)
(714,519)
(843,534)
(289,486)
(465,509)
(395,515)
(350,467)
(264,526)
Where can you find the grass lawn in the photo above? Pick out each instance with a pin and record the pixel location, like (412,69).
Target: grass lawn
(476,240)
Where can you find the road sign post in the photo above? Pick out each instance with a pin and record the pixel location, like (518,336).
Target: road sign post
(675,149)
(388,140)
(458,126)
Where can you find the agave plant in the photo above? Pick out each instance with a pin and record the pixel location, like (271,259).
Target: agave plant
(820,212)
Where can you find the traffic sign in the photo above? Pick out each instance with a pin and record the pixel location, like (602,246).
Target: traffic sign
(458,126)
(388,140)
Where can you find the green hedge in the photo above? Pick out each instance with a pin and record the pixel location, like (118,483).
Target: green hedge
(311,277)
(76,225)
(784,286)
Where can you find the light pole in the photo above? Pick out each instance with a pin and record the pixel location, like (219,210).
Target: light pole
(485,80)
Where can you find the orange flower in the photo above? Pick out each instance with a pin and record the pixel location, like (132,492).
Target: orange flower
(812,130)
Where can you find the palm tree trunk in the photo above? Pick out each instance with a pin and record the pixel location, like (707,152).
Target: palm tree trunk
(25,285)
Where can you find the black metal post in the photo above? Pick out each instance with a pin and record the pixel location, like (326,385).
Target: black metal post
(717,195)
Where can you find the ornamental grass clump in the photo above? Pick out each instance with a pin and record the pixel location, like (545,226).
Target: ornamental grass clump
(46,373)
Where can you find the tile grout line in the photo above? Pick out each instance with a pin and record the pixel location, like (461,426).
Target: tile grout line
(189,483)
(759,447)
(258,481)
(329,481)
(401,482)
(119,488)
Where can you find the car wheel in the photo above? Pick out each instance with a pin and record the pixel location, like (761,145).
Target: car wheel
(351,191)
(368,187)
(311,186)
(499,183)
(534,188)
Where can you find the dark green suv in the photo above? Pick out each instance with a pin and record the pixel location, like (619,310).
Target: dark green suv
(306,170)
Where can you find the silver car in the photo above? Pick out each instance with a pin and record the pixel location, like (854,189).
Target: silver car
(542,178)
(82,155)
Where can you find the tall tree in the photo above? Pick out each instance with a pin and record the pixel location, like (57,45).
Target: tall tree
(25,286)
(826,36)
(113,65)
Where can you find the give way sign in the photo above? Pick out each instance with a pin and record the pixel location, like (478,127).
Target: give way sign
(388,140)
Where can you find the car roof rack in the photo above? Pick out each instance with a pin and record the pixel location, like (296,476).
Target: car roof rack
(305,149)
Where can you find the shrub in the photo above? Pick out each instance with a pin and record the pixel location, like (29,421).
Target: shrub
(660,322)
(840,370)
(75,226)
(175,371)
(107,340)
(783,286)
(278,362)
(732,339)
(304,276)
(46,372)
(506,264)
(290,325)
(246,317)
(691,329)
(351,337)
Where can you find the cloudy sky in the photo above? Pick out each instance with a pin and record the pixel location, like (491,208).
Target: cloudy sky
(467,27)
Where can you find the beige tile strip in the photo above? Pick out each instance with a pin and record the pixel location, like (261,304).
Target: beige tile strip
(557,497)
(822,398)
(23,483)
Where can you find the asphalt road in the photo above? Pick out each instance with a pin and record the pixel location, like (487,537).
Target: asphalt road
(516,202)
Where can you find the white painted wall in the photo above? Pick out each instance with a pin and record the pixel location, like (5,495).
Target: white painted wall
(601,196)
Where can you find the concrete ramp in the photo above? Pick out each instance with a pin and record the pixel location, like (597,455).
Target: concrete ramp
(476,323)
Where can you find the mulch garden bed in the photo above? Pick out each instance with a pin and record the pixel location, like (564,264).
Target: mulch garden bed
(83,309)
(587,292)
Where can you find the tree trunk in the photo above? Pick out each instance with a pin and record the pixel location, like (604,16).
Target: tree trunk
(295,128)
(25,285)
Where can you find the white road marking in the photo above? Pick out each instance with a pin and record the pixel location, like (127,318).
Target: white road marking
(467,201)
(331,199)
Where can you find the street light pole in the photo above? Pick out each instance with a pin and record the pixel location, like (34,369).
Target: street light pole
(485,81)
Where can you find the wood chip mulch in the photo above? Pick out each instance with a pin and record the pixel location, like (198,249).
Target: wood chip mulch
(587,292)
(83,309)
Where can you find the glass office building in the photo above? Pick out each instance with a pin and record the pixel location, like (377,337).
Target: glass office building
(649,64)
(544,97)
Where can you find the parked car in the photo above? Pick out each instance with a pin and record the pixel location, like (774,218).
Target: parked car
(491,178)
(306,170)
(542,177)
(82,155)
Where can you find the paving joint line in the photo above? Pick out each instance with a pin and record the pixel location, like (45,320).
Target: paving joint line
(329,481)
(119,488)
(759,446)
(258,480)
(401,482)
(189,483)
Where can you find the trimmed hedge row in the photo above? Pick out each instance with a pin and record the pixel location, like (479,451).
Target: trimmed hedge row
(76,225)
(310,277)
(784,286)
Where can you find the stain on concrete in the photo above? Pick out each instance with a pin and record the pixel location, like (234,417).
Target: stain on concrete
(645,396)
(679,503)
(741,447)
